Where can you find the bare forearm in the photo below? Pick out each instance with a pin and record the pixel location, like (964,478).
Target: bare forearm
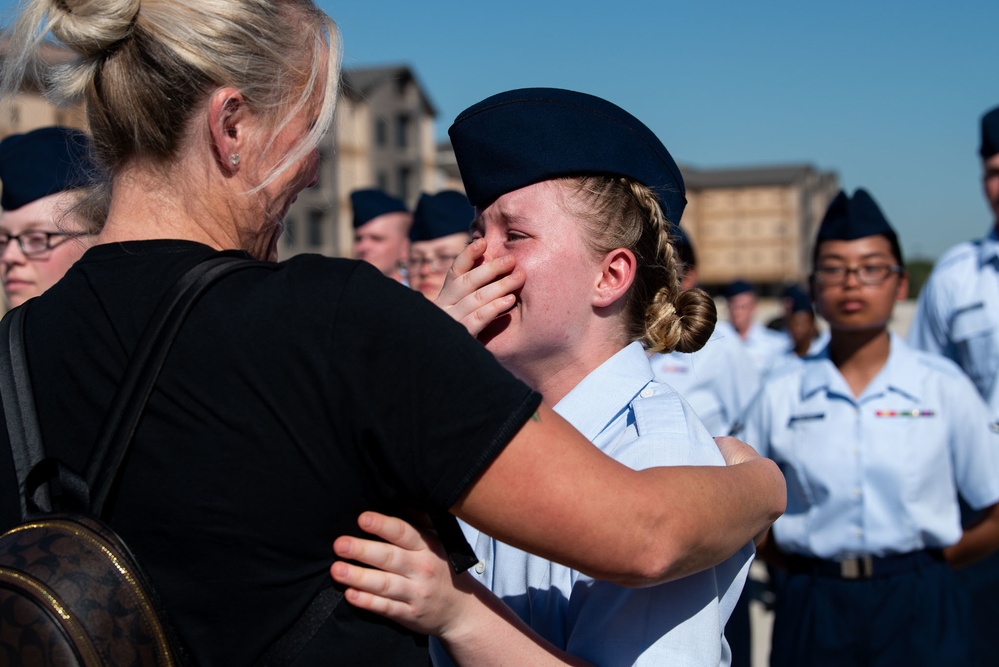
(727,508)
(977,542)
(491,635)
(652,526)
(552,493)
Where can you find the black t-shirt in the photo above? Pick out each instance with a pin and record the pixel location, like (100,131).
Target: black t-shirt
(292,400)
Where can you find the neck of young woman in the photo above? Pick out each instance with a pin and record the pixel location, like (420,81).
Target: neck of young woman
(554,376)
(859,355)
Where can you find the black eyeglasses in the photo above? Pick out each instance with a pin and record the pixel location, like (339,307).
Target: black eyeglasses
(868,274)
(34,242)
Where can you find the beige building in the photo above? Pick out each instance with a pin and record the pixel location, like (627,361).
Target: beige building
(383,137)
(755,223)
(29,110)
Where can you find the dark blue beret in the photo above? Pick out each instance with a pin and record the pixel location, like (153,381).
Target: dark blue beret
(800,301)
(990,134)
(442,214)
(513,139)
(371,203)
(43,162)
(848,219)
(737,287)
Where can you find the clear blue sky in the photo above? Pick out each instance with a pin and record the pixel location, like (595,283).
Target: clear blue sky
(886,94)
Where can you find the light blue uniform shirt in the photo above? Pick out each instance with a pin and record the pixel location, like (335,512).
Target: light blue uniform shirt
(718,381)
(762,344)
(641,423)
(878,474)
(958,313)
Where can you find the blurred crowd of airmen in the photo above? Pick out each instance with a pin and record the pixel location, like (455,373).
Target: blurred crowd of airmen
(890,448)
(886,554)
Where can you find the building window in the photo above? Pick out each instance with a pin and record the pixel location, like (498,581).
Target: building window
(402,130)
(381,133)
(315,228)
(382,180)
(405,175)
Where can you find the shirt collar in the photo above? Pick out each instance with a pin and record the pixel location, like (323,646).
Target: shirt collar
(607,391)
(988,248)
(900,374)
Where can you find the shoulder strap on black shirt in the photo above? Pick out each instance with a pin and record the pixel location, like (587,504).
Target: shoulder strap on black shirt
(23,427)
(18,402)
(122,418)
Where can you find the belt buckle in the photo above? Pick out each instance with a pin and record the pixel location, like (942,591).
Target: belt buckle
(861,567)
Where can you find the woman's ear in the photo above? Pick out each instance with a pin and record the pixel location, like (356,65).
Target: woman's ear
(227,116)
(617,273)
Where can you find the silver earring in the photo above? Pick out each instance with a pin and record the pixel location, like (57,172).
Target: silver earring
(234,159)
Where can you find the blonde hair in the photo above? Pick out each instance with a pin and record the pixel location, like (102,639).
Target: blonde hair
(621,213)
(144,66)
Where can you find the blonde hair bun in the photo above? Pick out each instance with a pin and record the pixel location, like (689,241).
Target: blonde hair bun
(697,315)
(90,27)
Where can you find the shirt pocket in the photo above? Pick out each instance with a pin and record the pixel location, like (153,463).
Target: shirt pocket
(804,454)
(975,334)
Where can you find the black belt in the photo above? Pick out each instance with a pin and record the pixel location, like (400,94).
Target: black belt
(865,567)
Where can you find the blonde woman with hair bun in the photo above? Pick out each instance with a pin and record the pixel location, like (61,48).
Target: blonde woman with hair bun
(595,291)
(287,406)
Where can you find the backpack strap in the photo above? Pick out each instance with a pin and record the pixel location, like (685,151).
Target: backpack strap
(122,418)
(19,406)
(40,478)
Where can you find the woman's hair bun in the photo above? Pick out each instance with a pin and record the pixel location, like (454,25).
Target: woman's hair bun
(90,27)
(697,317)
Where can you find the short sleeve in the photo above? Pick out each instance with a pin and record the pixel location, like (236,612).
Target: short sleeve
(431,407)
(754,426)
(928,328)
(974,444)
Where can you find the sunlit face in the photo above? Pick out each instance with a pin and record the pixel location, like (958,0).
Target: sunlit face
(852,305)
(990,180)
(429,262)
(740,311)
(26,277)
(554,309)
(383,242)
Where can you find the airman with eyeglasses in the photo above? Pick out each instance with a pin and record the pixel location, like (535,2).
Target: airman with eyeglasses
(44,173)
(865,422)
(440,231)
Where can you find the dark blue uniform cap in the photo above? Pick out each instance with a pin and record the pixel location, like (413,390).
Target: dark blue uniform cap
(848,219)
(990,134)
(520,137)
(43,162)
(442,214)
(800,301)
(737,287)
(371,203)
